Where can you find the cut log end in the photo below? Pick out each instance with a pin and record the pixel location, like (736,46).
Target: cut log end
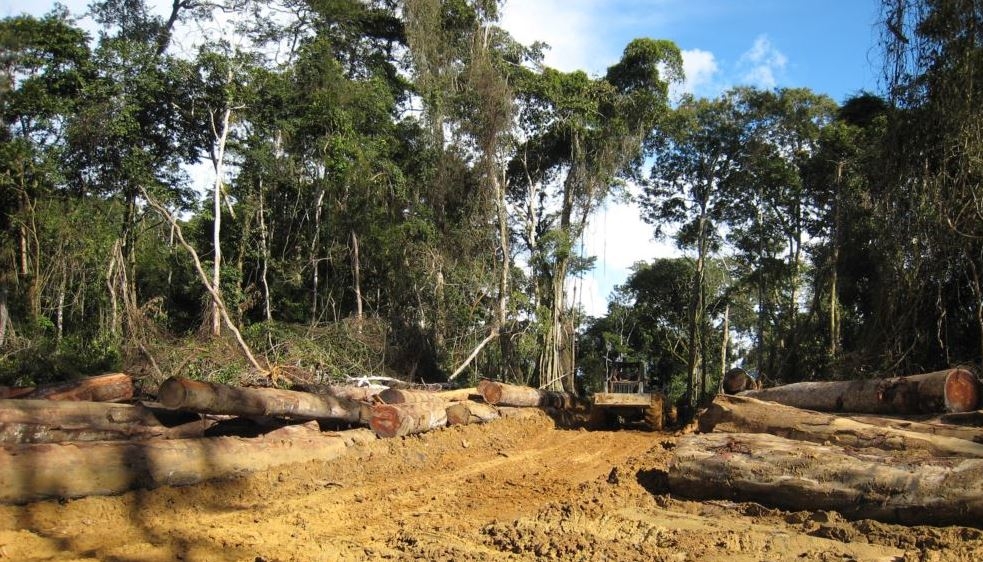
(172,392)
(490,391)
(385,420)
(962,391)
(738,380)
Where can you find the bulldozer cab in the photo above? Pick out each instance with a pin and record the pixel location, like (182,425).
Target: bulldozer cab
(626,377)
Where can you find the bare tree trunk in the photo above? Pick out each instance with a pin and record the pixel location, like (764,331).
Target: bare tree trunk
(357,280)
(208,286)
(4,315)
(264,242)
(218,161)
(314,259)
(60,307)
(723,346)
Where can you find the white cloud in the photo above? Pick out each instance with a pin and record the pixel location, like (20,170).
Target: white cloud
(701,70)
(760,64)
(565,25)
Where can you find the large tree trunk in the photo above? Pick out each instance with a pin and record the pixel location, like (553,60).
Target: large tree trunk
(952,390)
(738,414)
(398,396)
(113,387)
(794,475)
(43,421)
(502,394)
(71,470)
(211,398)
(467,412)
(357,393)
(396,420)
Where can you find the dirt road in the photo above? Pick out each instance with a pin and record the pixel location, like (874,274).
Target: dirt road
(512,490)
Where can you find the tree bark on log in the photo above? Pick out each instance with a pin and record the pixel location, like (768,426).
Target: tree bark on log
(951,390)
(396,420)
(929,427)
(794,475)
(468,412)
(406,396)
(112,387)
(71,470)
(738,380)
(741,414)
(43,421)
(211,398)
(501,394)
(356,393)
(974,418)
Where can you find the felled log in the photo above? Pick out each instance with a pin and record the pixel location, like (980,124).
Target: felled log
(357,393)
(934,426)
(738,380)
(499,393)
(71,470)
(741,414)
(952,390)
(43,421)
(211,398)
(468,412)
(794,475)
(112,387)
(396,420)
(974,418)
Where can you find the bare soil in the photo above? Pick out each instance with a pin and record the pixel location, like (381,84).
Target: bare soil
(510,490)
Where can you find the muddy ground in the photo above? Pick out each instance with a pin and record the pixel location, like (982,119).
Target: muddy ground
(510,490)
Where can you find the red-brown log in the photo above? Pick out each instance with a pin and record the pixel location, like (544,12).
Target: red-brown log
(112,387)
(468,412)
(212,398)
(395,420)
(70,470)
(951,390)
(501,394)
(795,475)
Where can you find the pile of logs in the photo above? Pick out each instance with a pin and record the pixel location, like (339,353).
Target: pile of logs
(884,449)
(91,437)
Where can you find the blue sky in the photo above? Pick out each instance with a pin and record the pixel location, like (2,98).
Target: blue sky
(829,46)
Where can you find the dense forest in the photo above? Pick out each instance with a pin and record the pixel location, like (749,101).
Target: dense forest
(398,187)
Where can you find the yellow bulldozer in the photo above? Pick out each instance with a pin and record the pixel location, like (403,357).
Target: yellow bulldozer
(628,398)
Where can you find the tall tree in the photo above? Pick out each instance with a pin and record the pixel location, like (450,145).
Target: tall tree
(583,134)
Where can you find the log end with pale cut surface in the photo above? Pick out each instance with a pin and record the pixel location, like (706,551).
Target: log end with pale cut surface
(962,391)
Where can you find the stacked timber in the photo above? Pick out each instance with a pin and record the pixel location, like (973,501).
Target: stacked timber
(799,450)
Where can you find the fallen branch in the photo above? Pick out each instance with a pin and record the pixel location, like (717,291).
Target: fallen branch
(212,291)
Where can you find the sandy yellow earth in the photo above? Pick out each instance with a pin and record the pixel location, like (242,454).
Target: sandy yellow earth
(509,490)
